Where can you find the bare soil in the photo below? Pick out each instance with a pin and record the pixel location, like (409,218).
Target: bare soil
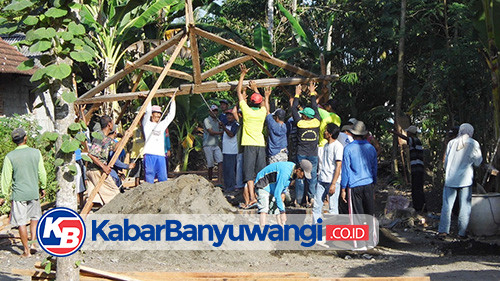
(409,248)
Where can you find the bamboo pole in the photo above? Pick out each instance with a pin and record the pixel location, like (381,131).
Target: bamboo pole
(206,87)
(224,66)
(172,72)
(88,205)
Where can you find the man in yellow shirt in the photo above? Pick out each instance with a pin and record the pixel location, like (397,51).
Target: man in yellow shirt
(252,138)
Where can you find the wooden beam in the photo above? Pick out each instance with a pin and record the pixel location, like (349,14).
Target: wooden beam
(172,72)
(259,55)
(110,275)
(88,205)
(224,66)
(91,111)
(206,87)
(195,54)
(142,60)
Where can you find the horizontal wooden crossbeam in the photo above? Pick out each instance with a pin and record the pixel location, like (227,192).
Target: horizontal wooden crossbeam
(172,72)
(207,87)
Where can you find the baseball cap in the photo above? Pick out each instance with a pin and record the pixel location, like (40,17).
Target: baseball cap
(307,167)
(214,107)
(224,101)
(18,134)
(280,113)
(309,112)
(256,98)
(156,108)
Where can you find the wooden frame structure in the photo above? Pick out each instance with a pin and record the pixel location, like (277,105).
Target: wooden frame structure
(197,86)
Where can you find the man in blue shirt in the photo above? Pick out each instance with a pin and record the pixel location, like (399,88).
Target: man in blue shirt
(277,140)
(271,183)
(359,172)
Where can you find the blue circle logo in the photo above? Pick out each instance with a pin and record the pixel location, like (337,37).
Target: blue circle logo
(61,232)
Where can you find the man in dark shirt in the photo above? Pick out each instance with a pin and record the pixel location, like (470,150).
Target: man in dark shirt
(308,123)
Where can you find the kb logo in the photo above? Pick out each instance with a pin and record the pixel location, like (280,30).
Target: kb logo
(60,232)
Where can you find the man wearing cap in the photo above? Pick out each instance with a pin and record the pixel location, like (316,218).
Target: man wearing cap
(252,138)
(369,137)
(359,172)
(271,184)
(307,122)
(223,106)
(417,167)
(345,137)
(154,148)
(211,143)
(277,133)
(230,149)
(23,170)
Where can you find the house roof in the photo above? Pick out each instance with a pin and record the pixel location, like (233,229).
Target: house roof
(10,58)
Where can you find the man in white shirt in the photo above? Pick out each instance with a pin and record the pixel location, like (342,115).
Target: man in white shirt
(154,147)
(329,175)
(462,153)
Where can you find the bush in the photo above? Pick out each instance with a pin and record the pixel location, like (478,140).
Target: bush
(7,124)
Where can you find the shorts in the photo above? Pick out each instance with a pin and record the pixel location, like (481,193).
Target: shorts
(254,160)
(213,155)
(266,203)
(281,156)
(25,211)
(138,170)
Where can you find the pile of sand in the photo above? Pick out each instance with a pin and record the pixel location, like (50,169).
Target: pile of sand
(188,194)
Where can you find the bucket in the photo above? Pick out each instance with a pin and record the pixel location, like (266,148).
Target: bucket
(485,214)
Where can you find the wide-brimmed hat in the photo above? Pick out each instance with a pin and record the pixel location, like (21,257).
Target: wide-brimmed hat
(309,112)
(156,108)
(307,167)
(412,129)
(358,129)
(353,120)
(346,128)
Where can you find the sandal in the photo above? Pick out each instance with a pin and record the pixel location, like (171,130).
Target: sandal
(442,236)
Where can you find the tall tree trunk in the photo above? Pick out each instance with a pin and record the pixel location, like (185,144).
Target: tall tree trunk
(66,195)
(270,21)
(399,90)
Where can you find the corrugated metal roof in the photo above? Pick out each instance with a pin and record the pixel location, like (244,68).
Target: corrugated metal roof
(16,38)
(10,58)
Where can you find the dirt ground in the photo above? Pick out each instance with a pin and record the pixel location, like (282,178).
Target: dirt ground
(409,248)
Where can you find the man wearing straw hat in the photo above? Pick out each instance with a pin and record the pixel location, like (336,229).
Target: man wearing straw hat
(359,172)
(154,147)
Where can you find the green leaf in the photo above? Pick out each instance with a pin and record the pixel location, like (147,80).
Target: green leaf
(50,136)
(72,169)
(45,33)
(97,135)
(40,46)
(75,127)
(262,40)
(78,262)
(81,137)
(75,6)
(55,13)
(30,20)
(48,265)
(147,16)
(84,126)
(66,36)
(77,42)
(70,97)
(69,146)
(304,39)
(58,162)
(81,56)
(38,75)
(76,29)
(18,5)
(58,71)
(26,65)
(85,157)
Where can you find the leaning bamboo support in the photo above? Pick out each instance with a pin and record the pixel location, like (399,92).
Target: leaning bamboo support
(88,206)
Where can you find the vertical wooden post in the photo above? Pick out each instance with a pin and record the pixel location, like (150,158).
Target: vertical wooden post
(195,54)
(88,206)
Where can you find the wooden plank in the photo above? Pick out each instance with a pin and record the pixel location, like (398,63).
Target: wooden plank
(224,66)
(205,87)
(172,72)
(107,274)
(259,55)
(195,54)
(88,205)
(142,60)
